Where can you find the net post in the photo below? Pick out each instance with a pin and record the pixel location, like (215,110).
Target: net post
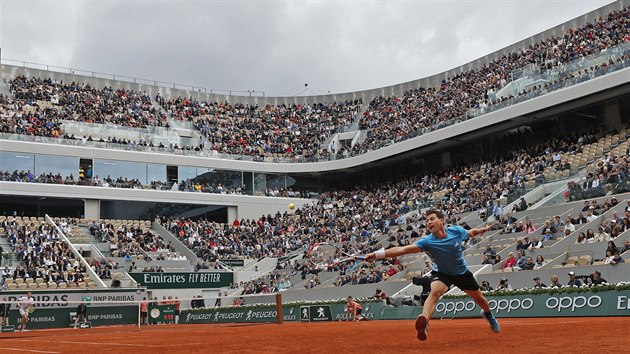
(280,316)
(139,315)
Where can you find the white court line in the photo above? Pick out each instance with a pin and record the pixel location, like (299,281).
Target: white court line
(118,344)
(29,350)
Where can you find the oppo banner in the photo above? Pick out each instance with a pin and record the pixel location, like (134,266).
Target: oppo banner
(609,303)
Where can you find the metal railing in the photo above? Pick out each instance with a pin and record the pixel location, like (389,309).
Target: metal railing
(569,70)
(130,79)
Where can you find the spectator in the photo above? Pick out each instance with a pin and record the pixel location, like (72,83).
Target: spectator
(573,281)
(581,239)
(538,284)
(510,261)
(555,282)
(486,260)
(596,278)
(503,285)
(497,259)
(540,262)
(616,259)
(520,261)
(529,264)
(625,246)
(529,228)
(485,286)
(520,246)
(601,236)
(548,235)
(535,244)
(489,251)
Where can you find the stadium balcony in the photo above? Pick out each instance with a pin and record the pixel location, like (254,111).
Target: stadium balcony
(580,54)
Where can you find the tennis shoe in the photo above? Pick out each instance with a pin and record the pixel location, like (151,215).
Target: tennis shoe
(494,324)
(422,326)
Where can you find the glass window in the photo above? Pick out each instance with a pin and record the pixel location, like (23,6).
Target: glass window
(11,161)
(156,172)
(125,169)
(63,165)
(263,181)
(186,172)
(248,182)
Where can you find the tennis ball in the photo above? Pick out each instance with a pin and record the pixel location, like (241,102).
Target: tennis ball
(291,206)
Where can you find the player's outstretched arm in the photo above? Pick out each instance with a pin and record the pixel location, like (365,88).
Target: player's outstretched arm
(479,230)
(392,252)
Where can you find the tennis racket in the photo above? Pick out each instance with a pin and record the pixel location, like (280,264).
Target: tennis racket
(326,255)
(31,309)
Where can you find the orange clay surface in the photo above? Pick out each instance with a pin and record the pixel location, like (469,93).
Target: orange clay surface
(533,335)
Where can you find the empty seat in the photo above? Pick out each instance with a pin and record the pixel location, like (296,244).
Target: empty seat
(584,261)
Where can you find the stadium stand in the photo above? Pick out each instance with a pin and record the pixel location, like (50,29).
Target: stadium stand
(359,215)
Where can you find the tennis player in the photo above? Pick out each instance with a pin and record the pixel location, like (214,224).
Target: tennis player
(354,310)
(24,304)
(444,246)
(81,314)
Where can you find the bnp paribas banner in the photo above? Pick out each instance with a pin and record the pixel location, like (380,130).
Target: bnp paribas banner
(264,313)
(209,280)
(62,317)
(604,303)
(70,298)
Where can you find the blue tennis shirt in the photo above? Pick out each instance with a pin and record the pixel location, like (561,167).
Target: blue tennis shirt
(446,252)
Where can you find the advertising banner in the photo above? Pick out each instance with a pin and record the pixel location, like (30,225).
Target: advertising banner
(604,303)
(268,313)
(233,262)
(70,298)
(209,280)
(62,317)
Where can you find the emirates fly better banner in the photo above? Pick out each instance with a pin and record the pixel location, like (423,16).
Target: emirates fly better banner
(201,280)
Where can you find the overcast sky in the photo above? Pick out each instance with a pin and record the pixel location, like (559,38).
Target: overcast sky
(273,46)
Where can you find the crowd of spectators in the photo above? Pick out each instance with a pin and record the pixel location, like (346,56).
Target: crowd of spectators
(286,130)
(389,120)
(261,131)
(42,254)
(611,176)
(80,102)
(129,240)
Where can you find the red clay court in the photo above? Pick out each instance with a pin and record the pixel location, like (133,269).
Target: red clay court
(531,335)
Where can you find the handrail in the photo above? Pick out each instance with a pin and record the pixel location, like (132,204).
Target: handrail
(135,80)
(77,254)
